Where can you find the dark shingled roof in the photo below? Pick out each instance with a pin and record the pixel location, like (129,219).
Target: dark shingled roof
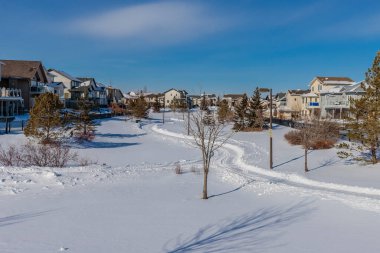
(20,69)
(332,78)
(233,95)
(298,92)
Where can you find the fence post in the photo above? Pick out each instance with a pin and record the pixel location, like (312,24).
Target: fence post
(22,125)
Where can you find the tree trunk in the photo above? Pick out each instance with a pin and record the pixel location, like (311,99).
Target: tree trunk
(306,169)
(373,154)
(205,174)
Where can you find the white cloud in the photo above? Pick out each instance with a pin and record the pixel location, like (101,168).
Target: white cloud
(162,23)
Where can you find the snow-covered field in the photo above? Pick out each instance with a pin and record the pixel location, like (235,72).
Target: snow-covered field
(132,201)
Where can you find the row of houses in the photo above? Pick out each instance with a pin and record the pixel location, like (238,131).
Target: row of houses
(22,81)
(327,97)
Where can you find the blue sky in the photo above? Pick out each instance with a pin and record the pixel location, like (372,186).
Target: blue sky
(212,46)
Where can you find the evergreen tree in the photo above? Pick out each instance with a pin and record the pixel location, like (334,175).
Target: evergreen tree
(365,124)
(204,104)
(208,118)
(156,105)
(224,111)
(255,111)
(84,126)
(139,108)
(240,114)
(45,122)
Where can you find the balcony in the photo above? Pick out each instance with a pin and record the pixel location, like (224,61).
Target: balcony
(337,104)
(40,89)
(311,105)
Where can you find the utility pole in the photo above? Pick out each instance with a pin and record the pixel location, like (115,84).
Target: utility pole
(270,133)
(270,125)
(163,113)
(188,117)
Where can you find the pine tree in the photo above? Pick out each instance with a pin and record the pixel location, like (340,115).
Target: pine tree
(45,122)
(156,105)
(139,108)
(255,111)
(240,114)
(204,104)
(224,111)
(365,123)
(84,126)
(208,118)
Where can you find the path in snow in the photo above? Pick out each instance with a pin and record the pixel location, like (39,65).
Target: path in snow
(230,158)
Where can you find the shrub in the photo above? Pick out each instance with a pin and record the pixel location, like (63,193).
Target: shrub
(293,137)
(31,154)
(323,144)
(343,145)
(178,169)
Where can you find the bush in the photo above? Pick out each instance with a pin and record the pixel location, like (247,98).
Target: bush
(320,141)
(343,145)
(31,154)
(323,144)
(178,169)
(293,137)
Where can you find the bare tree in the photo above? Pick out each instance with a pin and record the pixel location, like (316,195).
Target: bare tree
(208,137)
(317,134)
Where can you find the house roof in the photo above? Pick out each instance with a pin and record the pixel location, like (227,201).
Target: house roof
(85,79)
(21,69)
(80,89)
(233,95)
(55,84)
(180,91)
(333,79)
(63,73)
(298,92)
(280,95)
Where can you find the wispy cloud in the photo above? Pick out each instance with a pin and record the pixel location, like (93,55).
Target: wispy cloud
(154,23)
(356,26)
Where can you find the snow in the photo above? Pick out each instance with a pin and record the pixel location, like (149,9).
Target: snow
(131,200)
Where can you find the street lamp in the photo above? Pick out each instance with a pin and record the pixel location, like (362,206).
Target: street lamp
(163,113)
(270,126)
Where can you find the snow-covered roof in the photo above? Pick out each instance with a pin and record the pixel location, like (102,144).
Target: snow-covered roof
(63,73)
(310,94)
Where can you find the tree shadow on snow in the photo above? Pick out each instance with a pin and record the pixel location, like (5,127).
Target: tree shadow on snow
(18,218)
(250,232)
(109,135)
(100,144)
(326,163)
(234,190)
(291,160)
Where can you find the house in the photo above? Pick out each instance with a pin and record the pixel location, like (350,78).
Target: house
(57,88)
(196,100)
(293,106)
(114,95)
(11,103)
(89,90)
(335,103)
(233,99)
(67,80)
(152,97)
(311,101)
(28,76)
(174,94)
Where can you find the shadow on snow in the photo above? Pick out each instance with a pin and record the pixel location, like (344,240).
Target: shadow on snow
(254,231)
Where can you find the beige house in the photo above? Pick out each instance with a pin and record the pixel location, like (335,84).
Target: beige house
(174,94)
(152,97)
(233,99)
(320,84)
(68,81)
(293,106)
